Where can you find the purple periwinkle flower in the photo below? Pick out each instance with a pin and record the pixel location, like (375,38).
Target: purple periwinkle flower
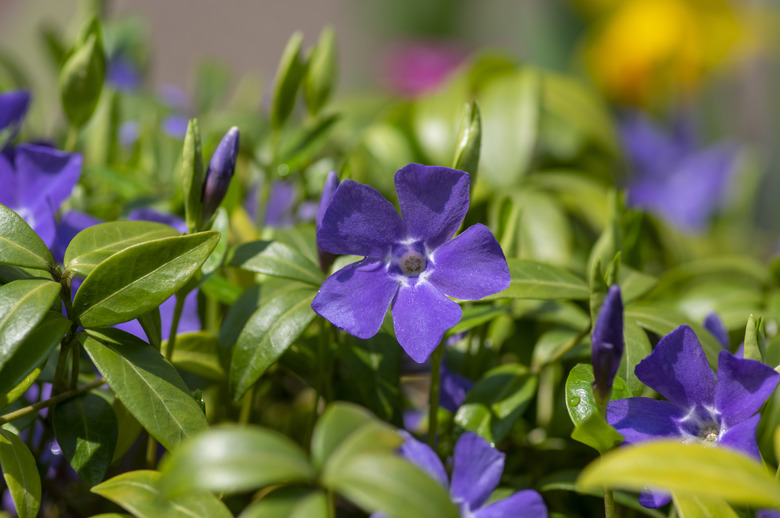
(329,189)
(699,407)
(13,108)
(453,389)
(476,472)
(607,343)
(671,177)
(220,172)
(410,263)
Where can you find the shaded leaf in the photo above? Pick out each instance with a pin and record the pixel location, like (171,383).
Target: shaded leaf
(20,245)
(20,474)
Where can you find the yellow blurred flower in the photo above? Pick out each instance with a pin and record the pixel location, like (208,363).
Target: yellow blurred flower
(640,50)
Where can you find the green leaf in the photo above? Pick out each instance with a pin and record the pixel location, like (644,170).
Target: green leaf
(86,430)
(436,118)
(23,305)
(496,401)
(151,323)
(373,375)
(534,280)
(686,470)
(469,142)
(147,385)
(193,175)
(268,333)
(288,79)
(637,348)
(634,284)
(20,474)
(99,242)
(277,259)
(138,493)
(140,278)
(20,245)
(197,353)
(234,459)
(220,224)
(33,351)
(755,342)
(321,71)
(544,231)
(597,433)
(510,107)
(82,74)
(336,423)
(390,484)
(9,397)
(579,393)
(290,502)
(474,316)
(694,507)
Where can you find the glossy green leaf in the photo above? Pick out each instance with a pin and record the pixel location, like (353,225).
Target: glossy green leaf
(33,351)
(86,430)
(596,432)
(634,284)
(534,280)
(747,269)
(138,493)
(695,507)
(220,224)
(20,474)
(193,174)
(579,393)
(140,278)
(637,348)
(474,316)
(268,333)
(387,483)
(510,107)
(496,401)
(197,353)
(220,289)
(277,259)
(128,427)
(99,242)
(20,245)
(82,74)
(686,470)
(335,425)
(12,395)
(151,323)
(321,71)
(234,459)
(663,321)
(147,385)
(289,503)
(469,142)
(23,305)
(288,79)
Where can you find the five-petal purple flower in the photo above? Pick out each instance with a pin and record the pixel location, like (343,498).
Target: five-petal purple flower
(699,407)
(410,263)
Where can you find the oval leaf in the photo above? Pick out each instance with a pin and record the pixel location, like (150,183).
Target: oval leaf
(140,278)
(20,245)
(147,385)
(534,280)
(335,424)
(198,353)
(20,474)
(277,259)
(234,459)
(579,393)
(686,470)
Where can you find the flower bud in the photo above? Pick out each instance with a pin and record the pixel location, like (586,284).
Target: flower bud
(608,343)
(219,173)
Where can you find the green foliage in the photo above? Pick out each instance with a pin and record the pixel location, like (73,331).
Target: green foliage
(82,74)
(20,474)
(20,245)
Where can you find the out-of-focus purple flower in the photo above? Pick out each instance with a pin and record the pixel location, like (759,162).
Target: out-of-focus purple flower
(71,223)
(13,108)
(410,263)
(699,408)
(122,73)
(671,177)
(35,181)
(476,473)
(607,343)
(150,214)
(220,172)
(128,133)
(452,389)
(175,124)
(414,67)
(714,325)
(279,209)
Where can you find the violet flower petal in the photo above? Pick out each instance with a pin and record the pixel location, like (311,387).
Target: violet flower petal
(714,325)
(422,456)
(742,387)
(471,266)
(433,200)
(13,107)
(742,436)
(678,370)
(331,184)
(476,470)
(356,297)
(654,499)
(421,315)
(640,419)
(45,176)
(528,504)
(359,221)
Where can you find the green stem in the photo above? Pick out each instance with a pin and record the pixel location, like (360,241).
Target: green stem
(177,309)
(246,405)
(609,504)
(151,452)
(75,357)
(72,138)
(433,404)
(31,409)
(568,346)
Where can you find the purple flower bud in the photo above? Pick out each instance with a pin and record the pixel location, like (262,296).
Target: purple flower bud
(608,344)
(714,325)
(219,173)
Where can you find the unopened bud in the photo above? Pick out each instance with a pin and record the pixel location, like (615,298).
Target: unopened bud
(608,343)
(219,173)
